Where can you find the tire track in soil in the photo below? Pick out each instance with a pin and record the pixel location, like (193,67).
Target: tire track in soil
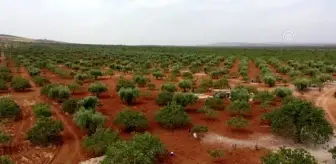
(24,100)
(69,152)
(274,142)
(322,100)
(27,117)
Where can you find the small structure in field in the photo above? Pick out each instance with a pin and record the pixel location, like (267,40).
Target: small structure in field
(222,93)
(202,96)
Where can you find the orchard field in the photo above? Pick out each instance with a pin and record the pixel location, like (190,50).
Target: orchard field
(67,103)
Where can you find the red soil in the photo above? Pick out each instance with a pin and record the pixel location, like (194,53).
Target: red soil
(235,66)
(70,150)
(253,70)
(54,78)
(273,69)
(19,149)
(187,149)
(327,101)
(64,67)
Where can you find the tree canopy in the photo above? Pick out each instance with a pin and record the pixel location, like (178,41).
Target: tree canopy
(301,121)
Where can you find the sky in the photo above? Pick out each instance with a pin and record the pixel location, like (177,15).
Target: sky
(171,22)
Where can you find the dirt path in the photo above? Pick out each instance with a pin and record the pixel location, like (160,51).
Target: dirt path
(322,102)
(274,142)
(71,148)
(21,150)
(271,142)
(25,100)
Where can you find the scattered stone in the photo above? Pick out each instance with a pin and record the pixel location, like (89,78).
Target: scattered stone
(93,160)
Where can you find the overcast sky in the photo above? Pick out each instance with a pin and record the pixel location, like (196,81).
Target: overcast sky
(177,22)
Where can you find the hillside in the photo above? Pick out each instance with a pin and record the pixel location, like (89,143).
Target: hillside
(12,38)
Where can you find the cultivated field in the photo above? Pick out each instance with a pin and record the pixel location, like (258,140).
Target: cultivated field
(63,103)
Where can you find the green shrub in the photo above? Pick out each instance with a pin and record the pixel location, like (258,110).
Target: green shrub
(185,85)
(206,84)
(5,160)
(45,131)
(283,92)
(302,84)
(3,85)
(33,71)
(73,87)
(40,81)
(108,72)
(175,70)
(4,138)
(209,113)
(81,77)
(240,107)
(5,74)
(172,116)
(222,83)
(287,155)
(98,142)
(269,80)
(89,102)
(131,120)
(300,120)
(140,80)
(250,89)
(142,149)
(123,83)
(164,98)
(241,94)
(158,75)
(187,75)
(323,77)
(265,96)
(59,93)
(70,106)
(215,74)
(20,83)
(42,110)
(333,152)
(97,88)
(129,95)
(45,89)
(215,103)
(9,108)
(95,73)
(295,73)
(184,99)
(238,123)
(168,87)
(89,120)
